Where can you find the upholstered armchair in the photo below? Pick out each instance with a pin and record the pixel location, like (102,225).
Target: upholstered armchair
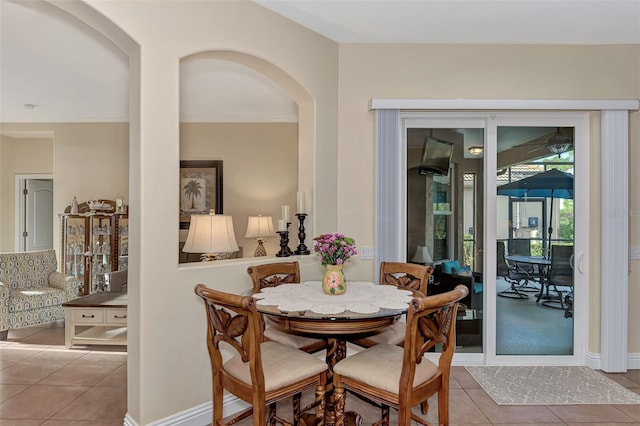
(31,290)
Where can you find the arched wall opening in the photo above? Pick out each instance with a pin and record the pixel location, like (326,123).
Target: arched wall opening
(285,161)
(130,47)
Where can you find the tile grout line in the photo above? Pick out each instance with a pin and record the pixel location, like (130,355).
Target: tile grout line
(45,350)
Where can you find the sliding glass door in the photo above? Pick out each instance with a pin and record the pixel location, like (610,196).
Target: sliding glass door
(535,241)
(445,216)
(514,248)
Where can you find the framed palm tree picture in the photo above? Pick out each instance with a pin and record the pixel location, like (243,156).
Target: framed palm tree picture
(200,188)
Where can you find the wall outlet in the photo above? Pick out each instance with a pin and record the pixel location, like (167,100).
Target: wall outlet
(366,252)
(634,252)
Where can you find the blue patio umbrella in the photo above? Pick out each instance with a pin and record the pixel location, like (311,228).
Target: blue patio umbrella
(550,184)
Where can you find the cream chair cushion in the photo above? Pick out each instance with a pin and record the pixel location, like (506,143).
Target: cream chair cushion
(393,335)
(286,338)
(281,365)
(380,366)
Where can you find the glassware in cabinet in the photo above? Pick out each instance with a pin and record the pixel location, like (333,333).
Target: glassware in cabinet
(102,250)
(122,241)
(74,249)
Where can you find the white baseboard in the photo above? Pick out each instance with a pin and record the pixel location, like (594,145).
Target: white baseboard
(203,413)
(592,360)
(633,361)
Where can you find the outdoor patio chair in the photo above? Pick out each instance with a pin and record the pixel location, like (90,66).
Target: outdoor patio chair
(522,247)
(561,275)
(517,277)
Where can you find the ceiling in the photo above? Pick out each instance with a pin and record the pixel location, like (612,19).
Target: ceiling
(467,21)
(54,68)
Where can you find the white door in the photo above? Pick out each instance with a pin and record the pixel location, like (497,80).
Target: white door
(38,199)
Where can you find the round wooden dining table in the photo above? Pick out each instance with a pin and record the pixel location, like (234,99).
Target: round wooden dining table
(305,309)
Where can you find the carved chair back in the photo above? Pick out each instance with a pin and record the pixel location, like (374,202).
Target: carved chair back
(273,274)
(410,276)
(232,319)
(430,323)
(257,374)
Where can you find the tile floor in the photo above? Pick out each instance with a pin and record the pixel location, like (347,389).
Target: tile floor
(42,383)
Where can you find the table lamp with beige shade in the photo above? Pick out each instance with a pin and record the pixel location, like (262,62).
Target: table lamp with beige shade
(422,256)
(260,227)
(212,235)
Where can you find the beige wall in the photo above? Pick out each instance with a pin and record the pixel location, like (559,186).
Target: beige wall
(260,166)
(336,163)
(19,156)
(456,71)
(88,160)
(167,320)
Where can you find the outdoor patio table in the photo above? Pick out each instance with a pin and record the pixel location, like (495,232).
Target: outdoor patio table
(542,267)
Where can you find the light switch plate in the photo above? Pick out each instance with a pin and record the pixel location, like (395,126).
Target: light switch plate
(634,252)
(367,252)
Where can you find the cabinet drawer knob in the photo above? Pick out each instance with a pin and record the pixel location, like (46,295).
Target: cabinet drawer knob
(88,316)
(120,316)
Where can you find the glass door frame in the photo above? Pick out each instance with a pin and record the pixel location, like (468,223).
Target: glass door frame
(609,317)
(490,121)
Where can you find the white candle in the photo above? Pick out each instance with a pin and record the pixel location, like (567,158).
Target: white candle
(285,214)
(282,225)
(301,200)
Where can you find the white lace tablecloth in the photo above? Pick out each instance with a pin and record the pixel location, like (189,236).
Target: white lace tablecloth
(360,297)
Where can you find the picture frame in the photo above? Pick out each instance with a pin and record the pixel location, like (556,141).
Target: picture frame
(200,188)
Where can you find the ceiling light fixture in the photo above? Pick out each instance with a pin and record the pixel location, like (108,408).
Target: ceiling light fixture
(476,150)
(558,143)
(559,148)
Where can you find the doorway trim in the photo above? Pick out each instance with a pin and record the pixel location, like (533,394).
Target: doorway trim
(614,121)
(19,222)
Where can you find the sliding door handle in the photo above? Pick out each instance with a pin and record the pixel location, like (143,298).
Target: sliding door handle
(581,262)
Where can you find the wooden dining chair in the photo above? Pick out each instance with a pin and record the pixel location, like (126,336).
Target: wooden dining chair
(262,372)
(400,377)
(409,276)
(274,274)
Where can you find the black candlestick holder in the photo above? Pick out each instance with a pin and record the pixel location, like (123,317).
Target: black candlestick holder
(302,248)
(285,251)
